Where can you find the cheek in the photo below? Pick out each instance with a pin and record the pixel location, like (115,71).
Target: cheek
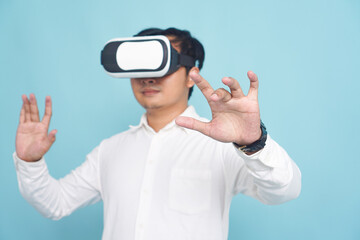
(133,83)
(176,89)
(135,88)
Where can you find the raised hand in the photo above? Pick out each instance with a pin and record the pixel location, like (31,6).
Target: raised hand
(235,117)
(32,138)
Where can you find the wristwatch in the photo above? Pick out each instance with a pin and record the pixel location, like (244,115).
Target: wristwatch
(257,145)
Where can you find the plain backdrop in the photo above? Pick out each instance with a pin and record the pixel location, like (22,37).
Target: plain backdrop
(306,54)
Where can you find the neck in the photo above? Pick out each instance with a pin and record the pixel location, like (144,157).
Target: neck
(159,118)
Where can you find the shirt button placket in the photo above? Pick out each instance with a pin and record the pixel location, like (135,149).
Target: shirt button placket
(146,188)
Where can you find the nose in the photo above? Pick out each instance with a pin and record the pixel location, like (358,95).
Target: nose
(148,80)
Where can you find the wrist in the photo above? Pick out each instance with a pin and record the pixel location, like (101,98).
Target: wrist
(255,146)
(27,158)
(257,136)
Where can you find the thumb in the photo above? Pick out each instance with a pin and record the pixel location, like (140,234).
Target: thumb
(193,124)
(51,137)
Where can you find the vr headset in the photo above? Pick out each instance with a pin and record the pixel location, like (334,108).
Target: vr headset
(142,57)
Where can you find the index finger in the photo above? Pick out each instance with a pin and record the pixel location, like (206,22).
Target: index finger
(48,111)
(202,84)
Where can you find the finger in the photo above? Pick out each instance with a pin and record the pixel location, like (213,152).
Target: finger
(50,139)
(48,111)
(34,111)
(254,85)
(234,86)
(193,124)
(52,136)
(202,84)
(22,114)
(221,95)
(26,106)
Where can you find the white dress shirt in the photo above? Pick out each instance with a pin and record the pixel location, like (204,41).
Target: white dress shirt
(174,184)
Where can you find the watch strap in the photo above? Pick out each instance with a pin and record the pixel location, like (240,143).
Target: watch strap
(257,145)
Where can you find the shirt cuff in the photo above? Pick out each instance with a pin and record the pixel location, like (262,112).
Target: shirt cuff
(265,158)
(30,169)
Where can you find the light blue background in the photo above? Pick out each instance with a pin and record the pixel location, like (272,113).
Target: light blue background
(306,54)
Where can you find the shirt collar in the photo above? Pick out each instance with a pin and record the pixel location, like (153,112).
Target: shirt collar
(189,112)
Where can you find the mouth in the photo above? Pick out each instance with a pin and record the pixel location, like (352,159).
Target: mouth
(150,91)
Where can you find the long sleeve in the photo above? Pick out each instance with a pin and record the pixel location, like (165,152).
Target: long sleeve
(269,175)
(58,198)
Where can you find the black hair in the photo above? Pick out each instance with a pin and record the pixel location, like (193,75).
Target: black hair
(188,45)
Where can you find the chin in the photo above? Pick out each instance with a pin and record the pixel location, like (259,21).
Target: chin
(151,106)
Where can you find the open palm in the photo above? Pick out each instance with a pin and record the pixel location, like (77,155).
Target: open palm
(32,138)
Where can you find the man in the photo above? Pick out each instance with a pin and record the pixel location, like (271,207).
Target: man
(173,176)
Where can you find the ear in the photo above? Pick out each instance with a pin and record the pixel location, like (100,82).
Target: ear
(190,82)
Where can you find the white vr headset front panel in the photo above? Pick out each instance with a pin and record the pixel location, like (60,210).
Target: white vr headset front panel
(140,55)
(145,53)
